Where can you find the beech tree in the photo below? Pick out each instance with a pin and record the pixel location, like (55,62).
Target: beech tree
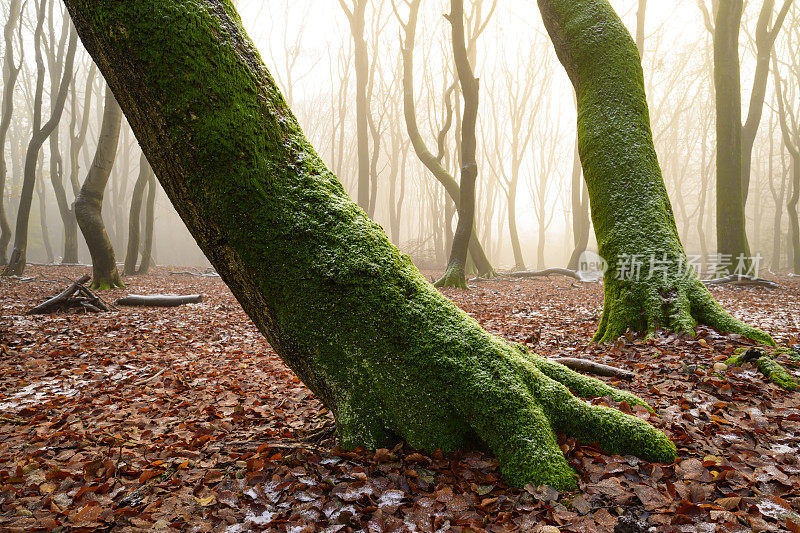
(89,203)
(387,353)
(10,73)
(631,212)
(16,264)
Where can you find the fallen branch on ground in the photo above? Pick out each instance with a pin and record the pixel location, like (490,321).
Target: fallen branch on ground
(208,273)
(76,295)
(159,300)
(598,369)
(547,272)
(740,279)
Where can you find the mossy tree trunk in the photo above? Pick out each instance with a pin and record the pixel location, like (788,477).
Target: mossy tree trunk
(731,222)
(390,356)
(631,211)
(454,275)
(10,74)
(16,264)
(89,203)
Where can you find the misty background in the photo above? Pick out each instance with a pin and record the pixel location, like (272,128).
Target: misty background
(526,126)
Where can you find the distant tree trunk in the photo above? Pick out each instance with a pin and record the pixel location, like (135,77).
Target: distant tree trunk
(10,74)
(431,162)
(631,211)
(132,254)
(791,140)
(40,194)
(89,204)
(454,275)
(16,265)
(731,222)
(55,61)
(357,22)
(580,212)
(765,39)
(385,352)
(149,224)
(640,18)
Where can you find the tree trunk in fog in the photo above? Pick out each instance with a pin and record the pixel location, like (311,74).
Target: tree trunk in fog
(40,195)
(581,224)
(10,74)
(89,204)
(790,130)
(55,63)
(16,265)
(731,222)
(777,196)
(385,352)
(454,275)
(149,224)
(430,161)
(355,17)
(765,39)
(132,253)
(631,210)
(640,18)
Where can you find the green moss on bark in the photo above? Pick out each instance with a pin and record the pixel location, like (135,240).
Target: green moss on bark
(771,369)
(352,316)
(631,211)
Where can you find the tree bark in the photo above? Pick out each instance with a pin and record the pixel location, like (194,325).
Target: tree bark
(631,211)
(16,265)
(580,212)
(355,17)
(432,162)
(89,203)
(149,223)
(387,354)
(765,39)
(10,74)
(791,140)
(731,221)
(132,254)
(454,275)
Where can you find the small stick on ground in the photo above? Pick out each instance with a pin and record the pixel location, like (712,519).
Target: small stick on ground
(742,280)
(547,272)
(598,369)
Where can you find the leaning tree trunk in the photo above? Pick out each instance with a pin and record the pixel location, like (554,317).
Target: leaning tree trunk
(149,223)
(630,208)
(456,265)
(351,315)
(580,213)
(89,203)
(731,221)
(16,264)
(132,254)
(10,74)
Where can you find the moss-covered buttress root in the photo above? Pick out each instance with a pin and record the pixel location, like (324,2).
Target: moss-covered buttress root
(648,283)
(384,350)
(769,367)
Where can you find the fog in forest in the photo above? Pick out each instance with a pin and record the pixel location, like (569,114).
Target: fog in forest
(529,189)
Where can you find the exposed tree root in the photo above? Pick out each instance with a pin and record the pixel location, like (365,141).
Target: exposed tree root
(771,369)
(453,277)
(643,307)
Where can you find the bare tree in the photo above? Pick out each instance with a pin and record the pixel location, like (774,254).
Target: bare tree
(10,74)
(41,132)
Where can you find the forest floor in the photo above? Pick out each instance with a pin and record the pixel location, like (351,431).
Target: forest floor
(184,419)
